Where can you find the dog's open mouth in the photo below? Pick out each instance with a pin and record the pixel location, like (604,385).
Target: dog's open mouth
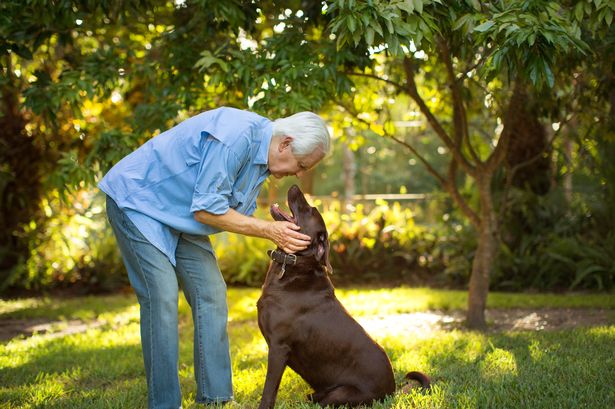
(279,214)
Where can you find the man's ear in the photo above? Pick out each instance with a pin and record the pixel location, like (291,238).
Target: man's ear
(285,142)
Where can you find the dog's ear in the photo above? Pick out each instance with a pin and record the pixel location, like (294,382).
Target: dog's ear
(322,253)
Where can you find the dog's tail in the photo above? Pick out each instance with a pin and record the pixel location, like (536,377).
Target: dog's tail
(421,378)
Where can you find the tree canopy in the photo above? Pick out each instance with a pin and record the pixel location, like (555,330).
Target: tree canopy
(85,82)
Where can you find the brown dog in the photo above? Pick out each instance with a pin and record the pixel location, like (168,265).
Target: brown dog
(308,329)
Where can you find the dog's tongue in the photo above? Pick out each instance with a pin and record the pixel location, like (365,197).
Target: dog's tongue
(275,208)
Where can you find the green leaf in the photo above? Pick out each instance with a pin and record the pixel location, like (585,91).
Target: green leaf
(461,21)
(474,3)
(377,27)
(418,5)
(207,60)
(352,24)
(581,275)
(548,74)
(485,26)
(534,74)
(578,11)
(390,27)
(406,6)
(369,36)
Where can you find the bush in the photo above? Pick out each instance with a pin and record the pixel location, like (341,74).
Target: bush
(381,244)
(74,248)
(549,244)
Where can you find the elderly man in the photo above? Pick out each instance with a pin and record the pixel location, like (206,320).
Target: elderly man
(165,199)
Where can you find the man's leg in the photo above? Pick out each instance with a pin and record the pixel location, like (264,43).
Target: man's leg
(205,291)
(153,278)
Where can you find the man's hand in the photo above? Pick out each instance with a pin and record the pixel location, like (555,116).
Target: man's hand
(284,234)
(287,237)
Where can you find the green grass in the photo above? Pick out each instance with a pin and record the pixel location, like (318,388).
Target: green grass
(102,367)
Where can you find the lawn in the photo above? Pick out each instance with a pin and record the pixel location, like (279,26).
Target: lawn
(101,367)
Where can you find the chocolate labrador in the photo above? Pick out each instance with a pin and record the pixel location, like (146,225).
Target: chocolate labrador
(308,329)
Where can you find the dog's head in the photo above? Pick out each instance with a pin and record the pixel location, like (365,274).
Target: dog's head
(310,221)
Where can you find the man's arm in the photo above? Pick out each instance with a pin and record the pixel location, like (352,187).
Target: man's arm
(283,234)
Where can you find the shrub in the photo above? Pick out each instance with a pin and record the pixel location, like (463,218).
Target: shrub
(549,244)
(74,248)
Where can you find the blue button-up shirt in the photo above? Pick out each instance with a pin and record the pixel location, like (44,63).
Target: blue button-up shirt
(213,161)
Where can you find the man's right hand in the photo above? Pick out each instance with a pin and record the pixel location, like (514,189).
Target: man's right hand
(287,237)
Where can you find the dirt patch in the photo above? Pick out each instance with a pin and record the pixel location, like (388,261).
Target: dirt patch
(11,328)
(547,319)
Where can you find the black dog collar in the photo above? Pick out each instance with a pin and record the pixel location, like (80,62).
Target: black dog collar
(283,258)
(286,259)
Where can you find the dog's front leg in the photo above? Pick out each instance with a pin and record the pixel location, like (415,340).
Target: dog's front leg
(276,363)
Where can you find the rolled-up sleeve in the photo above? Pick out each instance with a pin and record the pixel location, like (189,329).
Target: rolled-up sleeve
(213,190)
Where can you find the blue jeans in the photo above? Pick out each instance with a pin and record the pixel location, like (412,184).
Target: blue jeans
(155,281)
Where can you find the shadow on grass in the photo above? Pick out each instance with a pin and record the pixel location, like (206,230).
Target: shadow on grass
(568,369)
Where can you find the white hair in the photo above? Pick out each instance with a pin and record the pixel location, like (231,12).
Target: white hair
(308,130)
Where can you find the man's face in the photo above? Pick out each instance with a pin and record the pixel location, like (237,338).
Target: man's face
(284,163)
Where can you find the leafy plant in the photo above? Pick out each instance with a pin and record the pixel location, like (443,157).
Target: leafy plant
(550,245)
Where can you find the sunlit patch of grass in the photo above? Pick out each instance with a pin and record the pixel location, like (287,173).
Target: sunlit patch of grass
(83,308)
(403,300)
(102,367)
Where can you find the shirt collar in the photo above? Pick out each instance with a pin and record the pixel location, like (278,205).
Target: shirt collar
(262,155)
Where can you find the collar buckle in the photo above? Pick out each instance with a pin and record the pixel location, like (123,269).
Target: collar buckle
(282,258)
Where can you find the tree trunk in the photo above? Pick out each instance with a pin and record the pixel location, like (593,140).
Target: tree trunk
(567,142)
(528,150)
(484,258)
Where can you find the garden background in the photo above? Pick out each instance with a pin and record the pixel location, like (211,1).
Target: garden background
(471,185)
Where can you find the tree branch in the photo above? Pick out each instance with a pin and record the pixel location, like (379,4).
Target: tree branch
(479,62)
(460,117)
(451,186)
(412,90)
(411,148)
(373,76)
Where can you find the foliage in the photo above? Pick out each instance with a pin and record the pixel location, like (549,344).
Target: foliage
(84,82)
(487,55)
(553,246)
(102,367)
(74,249)
(243,260)
(380,244)
(549,247)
